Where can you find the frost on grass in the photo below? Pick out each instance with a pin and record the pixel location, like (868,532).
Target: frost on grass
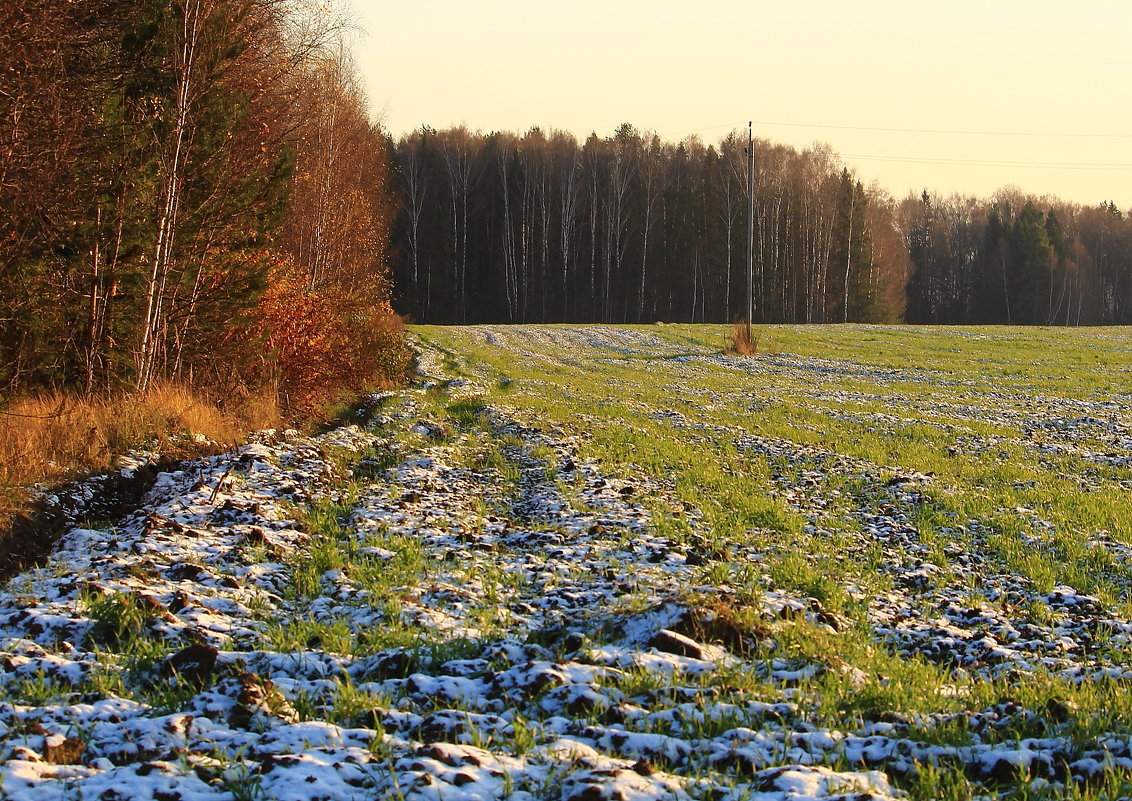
(469,600)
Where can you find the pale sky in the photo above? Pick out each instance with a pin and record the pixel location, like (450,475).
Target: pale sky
(956,96)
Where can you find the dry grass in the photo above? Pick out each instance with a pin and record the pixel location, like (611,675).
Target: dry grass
(56,437)
(744,340)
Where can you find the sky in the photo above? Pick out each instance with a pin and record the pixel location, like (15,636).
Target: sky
(954,97)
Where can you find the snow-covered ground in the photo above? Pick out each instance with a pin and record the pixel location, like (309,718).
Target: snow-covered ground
(508,627)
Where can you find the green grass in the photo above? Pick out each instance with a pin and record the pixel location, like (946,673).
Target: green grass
(994,415)
(838,410)
(974,407)
(922,377)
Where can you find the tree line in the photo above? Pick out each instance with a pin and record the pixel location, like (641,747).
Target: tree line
(190,191)
(1017,260)
(629,228)
(538,227)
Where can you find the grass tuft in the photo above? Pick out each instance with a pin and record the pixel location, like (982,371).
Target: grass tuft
(744,340)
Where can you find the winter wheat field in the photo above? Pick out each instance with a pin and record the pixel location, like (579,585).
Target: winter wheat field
(587,563)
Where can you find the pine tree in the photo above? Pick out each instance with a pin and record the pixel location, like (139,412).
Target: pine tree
(1030,257)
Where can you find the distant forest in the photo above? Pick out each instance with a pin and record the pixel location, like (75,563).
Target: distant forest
(629,228)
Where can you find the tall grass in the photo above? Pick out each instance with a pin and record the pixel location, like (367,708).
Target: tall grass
(54,437)
(744,340)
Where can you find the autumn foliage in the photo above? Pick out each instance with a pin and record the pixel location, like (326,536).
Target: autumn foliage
(325,342)
(194,228)
(191,193)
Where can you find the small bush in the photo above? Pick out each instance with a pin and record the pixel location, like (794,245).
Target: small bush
(744,340)
(323,344)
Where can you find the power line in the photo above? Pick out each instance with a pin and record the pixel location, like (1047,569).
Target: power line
(958,132)
(994,163)
(1048,165)
(947,131)
(734,125)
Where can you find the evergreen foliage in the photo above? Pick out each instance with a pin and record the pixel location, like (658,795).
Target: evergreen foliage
(1017,259)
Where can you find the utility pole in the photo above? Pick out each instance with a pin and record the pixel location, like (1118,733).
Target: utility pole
(750,222)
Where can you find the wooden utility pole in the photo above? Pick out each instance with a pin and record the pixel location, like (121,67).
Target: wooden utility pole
(750,222)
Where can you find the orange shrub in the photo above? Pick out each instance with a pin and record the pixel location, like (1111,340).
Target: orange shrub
(321,344)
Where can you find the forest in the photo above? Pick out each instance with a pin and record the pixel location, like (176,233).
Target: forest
(536,227)
(191,191)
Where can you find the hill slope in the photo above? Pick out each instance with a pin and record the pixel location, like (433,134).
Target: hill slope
(586,562)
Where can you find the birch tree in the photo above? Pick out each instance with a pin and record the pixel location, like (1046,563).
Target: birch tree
(456,153)
(414,186)
(567,167)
